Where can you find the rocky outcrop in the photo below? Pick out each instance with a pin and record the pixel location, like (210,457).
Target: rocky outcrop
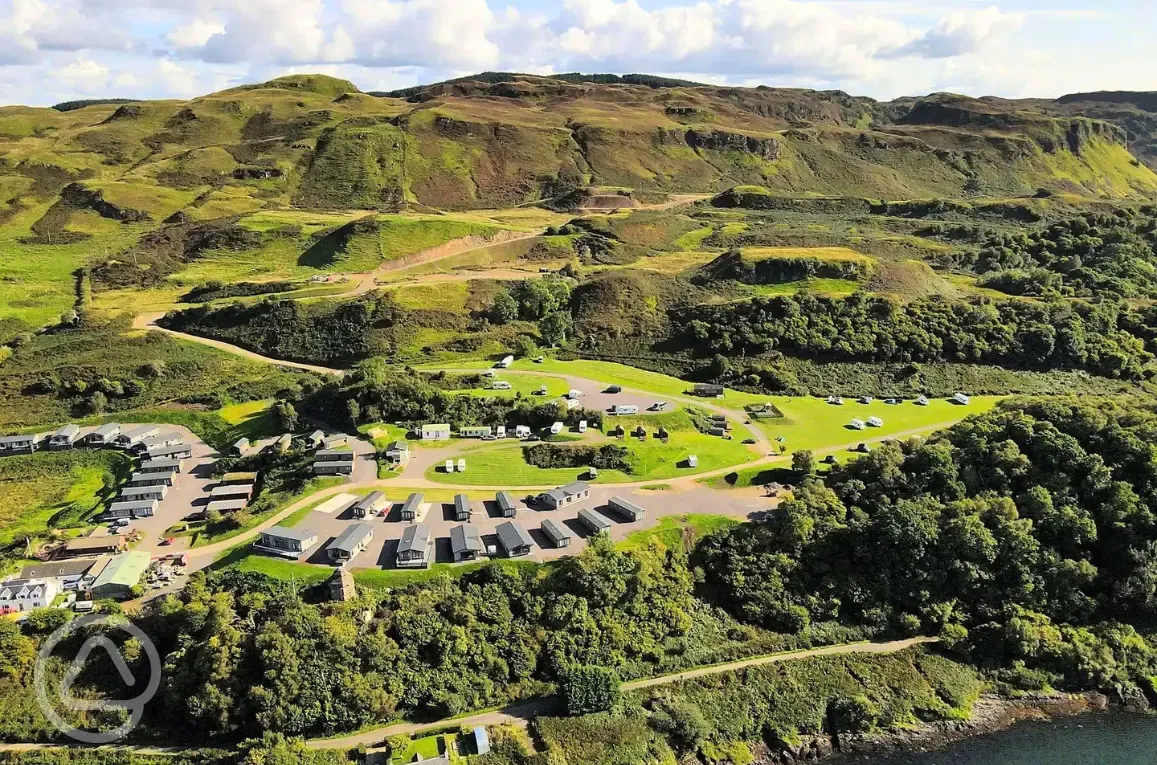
(717,140)
(79,197)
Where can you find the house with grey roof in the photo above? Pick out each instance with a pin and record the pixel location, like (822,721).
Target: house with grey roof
(350,543)
(65,438)
(411,507)
(25,444)
(161,466)
(129,438)
(465,542)
(506,506)
(416,548)
(461,507)
(136,508)
(284,541)
(514,539)
(371,504)
(398,453)
(575,491)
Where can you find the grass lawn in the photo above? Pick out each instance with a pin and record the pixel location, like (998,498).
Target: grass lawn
(50,490)
(678,532)
(812,423)
(521,383)
(251,419)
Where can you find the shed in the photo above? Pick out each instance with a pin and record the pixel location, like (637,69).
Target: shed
(596,522)
(284,541)
(626,508)
(110,543)
(481,740)
(465,542)
(514,539)
(416,548)
(506,505)
(556,533)
(411,507)
(351,542)
(461,507)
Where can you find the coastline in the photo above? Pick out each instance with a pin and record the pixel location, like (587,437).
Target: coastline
(990,714)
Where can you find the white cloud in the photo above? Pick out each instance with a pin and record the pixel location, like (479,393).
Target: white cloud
(196,33)
(963,32)
(85,75)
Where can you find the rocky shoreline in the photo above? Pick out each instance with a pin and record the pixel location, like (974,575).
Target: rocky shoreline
(989,714)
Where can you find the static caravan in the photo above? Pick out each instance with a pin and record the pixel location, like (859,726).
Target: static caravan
(398,453)
(286,542)
(582,426)
(225,506)
(316,439)
(624,409)
(572,403)
(161,466)
(476,431)
(239,447)
(103,435)
(436,432)
(596,522)
(180,452)
(500,431)
(461,507)
(151,479)
(233,491)
(18,444)
(333,455)
(500,385)
(130,493)
(556,533)
(238,478)
(574,393)
(354,540)
(284,443)
(707,389)
(159,442)
(465,542)
(65,438)
(141,508)
(506,362)
(514,539)
(411,507)
(461,465)
(575,491)
(521,431)
(371,504)
(960,398)
(506,504)
(130,438)
(416,550)
(335,440)
(626,508)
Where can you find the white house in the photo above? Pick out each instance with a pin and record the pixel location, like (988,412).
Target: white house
(436,432)
(26,594)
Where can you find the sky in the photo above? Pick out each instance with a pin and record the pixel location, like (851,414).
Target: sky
(56,50)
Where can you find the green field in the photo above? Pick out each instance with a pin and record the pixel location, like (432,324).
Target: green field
(678,532)
(53,490)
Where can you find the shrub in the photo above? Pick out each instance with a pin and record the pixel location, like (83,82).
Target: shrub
(590,689)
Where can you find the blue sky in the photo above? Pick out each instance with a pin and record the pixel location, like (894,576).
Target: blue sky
(53,50)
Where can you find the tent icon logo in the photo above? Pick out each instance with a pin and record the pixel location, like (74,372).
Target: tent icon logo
(131,709)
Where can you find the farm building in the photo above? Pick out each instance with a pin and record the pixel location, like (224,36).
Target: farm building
(161,466)
(596,522)
(576,491)
(137,508)
(398,453)
(412,507)
(556,533)
(514,539)
(436,432)
(371,504)
(81,546)
(506,506)
(120,576)
(416,549)
(626,508)
(65,438)
(103,435)
(355,539)
(286,542)
(18,444)
(465,542)
(461,507)
(130,493)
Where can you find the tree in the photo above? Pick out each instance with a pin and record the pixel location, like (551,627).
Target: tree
(96,403)
(590,688)
(285,415)
(524,346)
(354,411)
(504,309)
(555,327)
(803,462)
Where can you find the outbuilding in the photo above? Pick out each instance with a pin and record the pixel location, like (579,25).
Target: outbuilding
(285,542)
(556,533)
(120,576)
(626,508)
(81,546)
(416,548)
(226,506)
(514,539)
(465,542)
(354,540)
